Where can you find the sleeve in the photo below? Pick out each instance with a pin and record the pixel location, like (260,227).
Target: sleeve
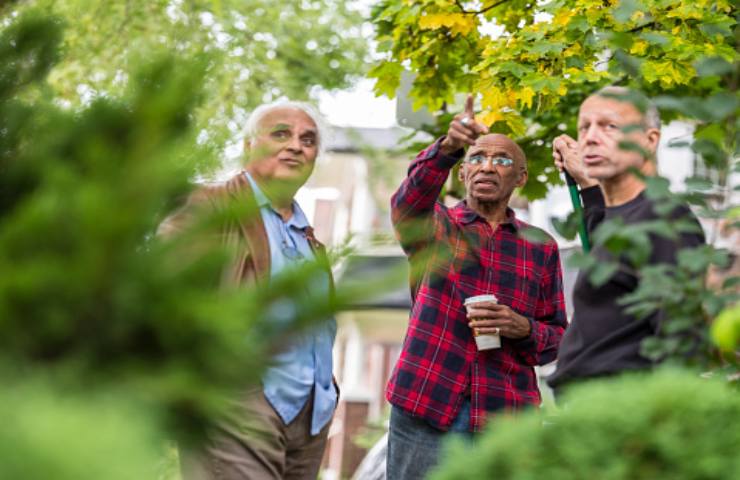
(413,205)
(593,207)
(189,229)
(548,325)
(185,216)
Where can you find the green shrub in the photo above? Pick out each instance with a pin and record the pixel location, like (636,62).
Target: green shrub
(47,434)
(668,425)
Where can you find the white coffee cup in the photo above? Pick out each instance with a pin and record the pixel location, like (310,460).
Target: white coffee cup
(487,341)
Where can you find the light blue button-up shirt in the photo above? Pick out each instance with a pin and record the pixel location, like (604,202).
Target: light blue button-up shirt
(306,363)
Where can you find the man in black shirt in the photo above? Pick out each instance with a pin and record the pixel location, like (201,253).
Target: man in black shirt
(602,338)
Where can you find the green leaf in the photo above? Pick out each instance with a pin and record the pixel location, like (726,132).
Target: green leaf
(661,228)
(721,26)
(689,260)
(567,227)
(534,234)
(626,8)
(631,146)
(547,48)
(657,187)
(652,348)
(602,272)
(677,325)
(710,152)
(713,132)
(581,261)
(516,69)
(722,105)
(731,282)
(710,66)
(579,23)
(388,78)
(634,242)
(689,106)
(619,41)
(655,38)
(628,63)
(714,304)
(699,183)
(718,256)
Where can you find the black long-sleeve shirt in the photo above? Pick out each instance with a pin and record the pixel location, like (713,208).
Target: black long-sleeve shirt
(601,338)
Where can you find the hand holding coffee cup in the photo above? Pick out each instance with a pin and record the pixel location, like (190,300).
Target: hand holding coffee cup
(489,318)
(486,341)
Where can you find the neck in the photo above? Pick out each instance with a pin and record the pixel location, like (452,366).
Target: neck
(625,187)
(620,190)
(493,212)
(279,193)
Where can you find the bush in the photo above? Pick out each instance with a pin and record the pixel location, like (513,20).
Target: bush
(668,425)
(48,434)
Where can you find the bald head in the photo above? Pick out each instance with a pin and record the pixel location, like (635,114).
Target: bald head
(499,143)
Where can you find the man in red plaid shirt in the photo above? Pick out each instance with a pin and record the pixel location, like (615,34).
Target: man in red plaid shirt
(442,383)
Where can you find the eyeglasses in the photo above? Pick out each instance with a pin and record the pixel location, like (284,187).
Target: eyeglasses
(479,159)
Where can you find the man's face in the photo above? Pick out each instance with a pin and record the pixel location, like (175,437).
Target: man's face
(601,124)
(285,147)
(486,182)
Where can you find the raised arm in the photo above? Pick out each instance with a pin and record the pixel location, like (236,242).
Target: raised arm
(565,156)
(413,205)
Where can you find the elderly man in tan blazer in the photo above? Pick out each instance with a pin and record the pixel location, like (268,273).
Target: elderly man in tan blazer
(278,430)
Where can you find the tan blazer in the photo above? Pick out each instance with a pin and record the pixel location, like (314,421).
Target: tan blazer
(240,229)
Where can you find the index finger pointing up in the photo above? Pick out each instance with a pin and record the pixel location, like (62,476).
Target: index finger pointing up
(469,107)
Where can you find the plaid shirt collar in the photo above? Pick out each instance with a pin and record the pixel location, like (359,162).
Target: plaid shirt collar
(466,215)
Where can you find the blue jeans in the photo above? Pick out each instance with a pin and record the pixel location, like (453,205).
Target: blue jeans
(414,445)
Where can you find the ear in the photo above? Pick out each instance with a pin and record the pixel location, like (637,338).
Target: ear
(460,174)
(653,139)
(523,177)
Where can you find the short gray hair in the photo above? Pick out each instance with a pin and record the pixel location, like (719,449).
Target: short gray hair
(251,128)
(649,111)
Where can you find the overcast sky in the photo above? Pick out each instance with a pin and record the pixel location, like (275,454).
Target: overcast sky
(358,107)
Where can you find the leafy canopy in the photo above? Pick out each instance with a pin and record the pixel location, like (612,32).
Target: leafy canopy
(533,62)
(256,50)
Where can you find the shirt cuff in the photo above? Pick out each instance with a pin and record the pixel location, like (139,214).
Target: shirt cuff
(528,341)
(441,160)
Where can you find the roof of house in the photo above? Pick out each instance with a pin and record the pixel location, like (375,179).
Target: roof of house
(379,280)
(352,139)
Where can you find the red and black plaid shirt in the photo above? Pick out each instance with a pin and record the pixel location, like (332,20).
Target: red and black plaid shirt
(455,254)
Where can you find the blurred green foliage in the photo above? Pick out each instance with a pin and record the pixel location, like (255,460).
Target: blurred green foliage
(116,343)
(106,328)
(667,425)
(75,436)
(255,50)
(726,330)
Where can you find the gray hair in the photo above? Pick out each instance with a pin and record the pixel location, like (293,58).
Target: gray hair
(251,129)
(648,109)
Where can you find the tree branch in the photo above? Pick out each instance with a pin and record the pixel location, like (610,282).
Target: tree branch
(640,27)
(483,10)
